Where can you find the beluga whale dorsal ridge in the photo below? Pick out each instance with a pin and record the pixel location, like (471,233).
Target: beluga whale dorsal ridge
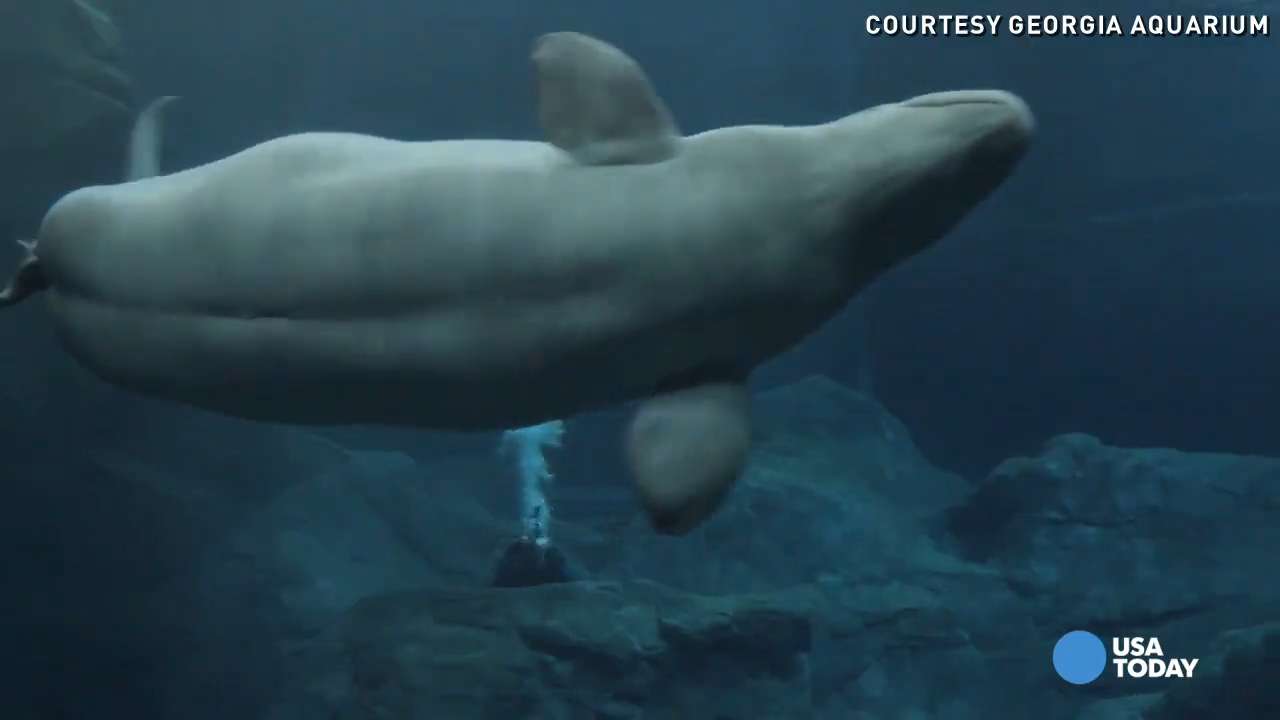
(337,278)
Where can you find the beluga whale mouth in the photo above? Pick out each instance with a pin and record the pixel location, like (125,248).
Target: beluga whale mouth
(1010,120)
(913,169)
(336,278)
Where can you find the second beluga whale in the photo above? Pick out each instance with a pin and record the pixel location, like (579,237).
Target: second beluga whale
(332,278)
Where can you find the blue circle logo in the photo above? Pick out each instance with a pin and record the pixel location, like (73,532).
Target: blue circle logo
(1079,657)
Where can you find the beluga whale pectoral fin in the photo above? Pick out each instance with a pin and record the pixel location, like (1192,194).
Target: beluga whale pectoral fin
(686,449)
(596,103)
(144,142)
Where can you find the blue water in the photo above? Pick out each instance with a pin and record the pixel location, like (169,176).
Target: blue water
(1061,418)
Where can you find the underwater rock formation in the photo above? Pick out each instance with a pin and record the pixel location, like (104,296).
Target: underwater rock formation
(246,567)
(1112,538)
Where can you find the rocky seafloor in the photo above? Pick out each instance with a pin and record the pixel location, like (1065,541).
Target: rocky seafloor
(211,568)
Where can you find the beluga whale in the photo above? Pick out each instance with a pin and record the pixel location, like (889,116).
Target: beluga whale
(333,278)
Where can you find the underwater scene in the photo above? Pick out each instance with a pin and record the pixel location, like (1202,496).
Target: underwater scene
(569,360)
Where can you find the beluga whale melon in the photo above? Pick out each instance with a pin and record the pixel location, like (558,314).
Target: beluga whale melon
(335,278)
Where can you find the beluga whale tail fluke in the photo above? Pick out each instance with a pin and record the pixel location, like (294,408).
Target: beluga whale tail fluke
(27,280)
(143,159)
(337,278)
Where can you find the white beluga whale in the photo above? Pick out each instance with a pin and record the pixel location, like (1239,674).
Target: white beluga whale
(330,278)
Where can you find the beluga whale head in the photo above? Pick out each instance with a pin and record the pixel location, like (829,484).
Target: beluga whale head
(904,174)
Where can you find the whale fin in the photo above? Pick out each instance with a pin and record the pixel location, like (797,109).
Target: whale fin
(596,103)
(686,449)
(144,142)
(28,279)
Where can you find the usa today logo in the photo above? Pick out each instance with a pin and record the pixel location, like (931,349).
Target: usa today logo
(1080,658)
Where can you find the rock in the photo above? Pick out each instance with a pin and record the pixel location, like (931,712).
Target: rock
(638,649)
(1129,520)
(1129,707)
(526,563)
(1235,680)
(834,485)
(375,523)
(1149,542)
(825,532)
(323,548)
(835,433)
(577,650)
(845,578)
(110,537)
(1238,680)
(291,567)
